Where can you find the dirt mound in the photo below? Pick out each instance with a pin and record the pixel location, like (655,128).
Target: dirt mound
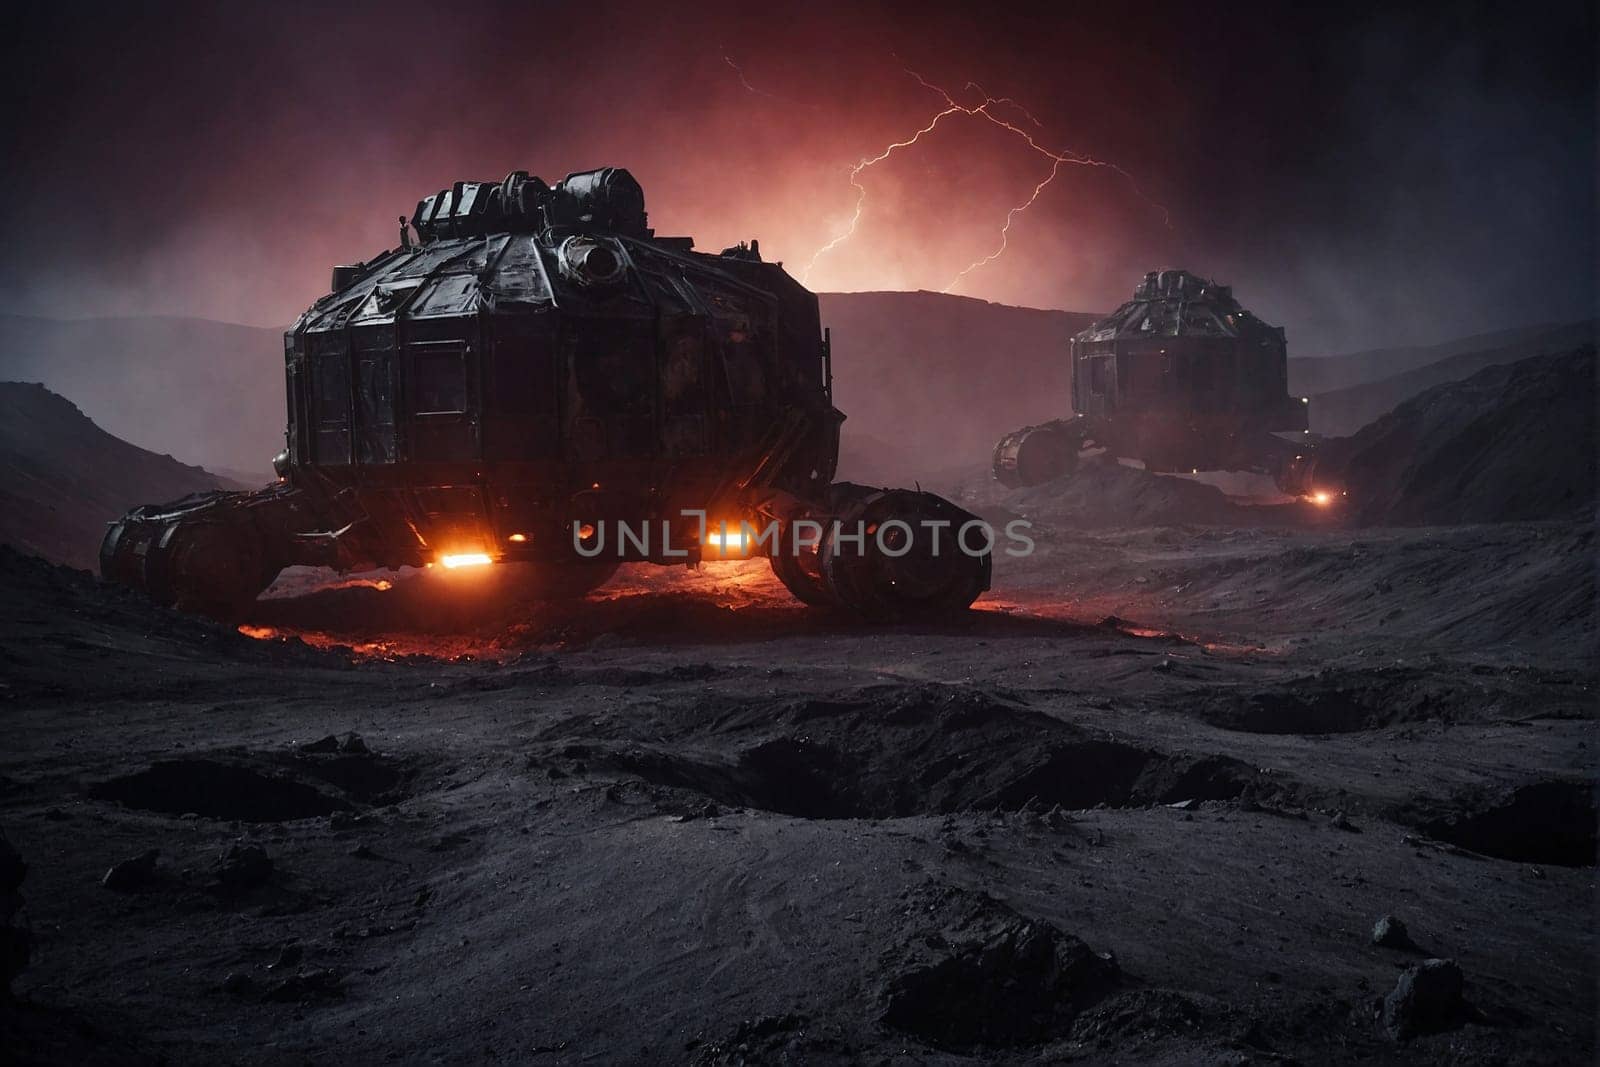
(987,976)
(62,478)
(1101,493)
(1510,443)
(1168,1026)
(1340,701)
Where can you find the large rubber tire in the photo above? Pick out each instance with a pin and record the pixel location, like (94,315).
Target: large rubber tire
(801,574)
(1034,456)
(201,565)
(899,572)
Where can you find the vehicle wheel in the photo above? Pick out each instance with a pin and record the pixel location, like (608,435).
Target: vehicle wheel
(210,568)
(1034,456)
(902,570)
(800,573)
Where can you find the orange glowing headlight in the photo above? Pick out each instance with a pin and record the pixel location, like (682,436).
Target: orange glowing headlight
(1321,498)
(465,559)
(518,538)
(728,540)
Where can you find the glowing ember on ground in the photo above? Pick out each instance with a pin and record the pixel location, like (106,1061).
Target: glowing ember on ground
(260,633)
(465,559)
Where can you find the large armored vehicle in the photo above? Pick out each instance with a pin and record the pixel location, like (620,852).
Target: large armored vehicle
(1180,377)
(539,379)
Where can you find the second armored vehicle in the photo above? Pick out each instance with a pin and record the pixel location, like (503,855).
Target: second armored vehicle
(540,380)
(1182,378)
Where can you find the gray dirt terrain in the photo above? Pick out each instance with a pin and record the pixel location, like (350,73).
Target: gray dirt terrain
(1145,804)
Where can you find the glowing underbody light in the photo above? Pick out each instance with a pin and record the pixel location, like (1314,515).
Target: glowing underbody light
(465,559)
(729,541)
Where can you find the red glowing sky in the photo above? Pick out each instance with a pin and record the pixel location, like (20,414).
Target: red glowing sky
(216,161)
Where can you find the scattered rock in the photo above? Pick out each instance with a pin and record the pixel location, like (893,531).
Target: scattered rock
(703,810)
(1166,1026)
(770,1039)
(1390,932)
(1426,999)
(998,980)
(243,867)
(348,743)
(133,874)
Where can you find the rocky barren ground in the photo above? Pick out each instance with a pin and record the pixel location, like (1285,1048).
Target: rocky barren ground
(1147,804)
(1195,783)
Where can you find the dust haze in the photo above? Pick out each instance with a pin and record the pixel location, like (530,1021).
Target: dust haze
(1218,773)
(1370,179)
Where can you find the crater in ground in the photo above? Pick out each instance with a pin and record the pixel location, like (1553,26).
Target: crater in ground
(216,789)
(929,750)
(1543,822)
(247,787)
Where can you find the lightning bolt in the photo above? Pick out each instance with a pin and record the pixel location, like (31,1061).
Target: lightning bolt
(745,81)
(983,110)
(861,190)
(1005,231)
(756,90)
(981,91)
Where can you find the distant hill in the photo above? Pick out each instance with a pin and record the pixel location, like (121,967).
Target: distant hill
(943,376)
(1514,441)
(929,381)
(206,392)
(1314,375)
(935,380)
(62,478)
(1345,411)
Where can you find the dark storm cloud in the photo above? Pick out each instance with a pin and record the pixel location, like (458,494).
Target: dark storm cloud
(1362,178)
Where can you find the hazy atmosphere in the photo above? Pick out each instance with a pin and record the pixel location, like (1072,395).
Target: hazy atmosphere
(1369,178)
(1110,580)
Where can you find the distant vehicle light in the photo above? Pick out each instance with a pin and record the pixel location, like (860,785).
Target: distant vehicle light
(518,538)
(465,559)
